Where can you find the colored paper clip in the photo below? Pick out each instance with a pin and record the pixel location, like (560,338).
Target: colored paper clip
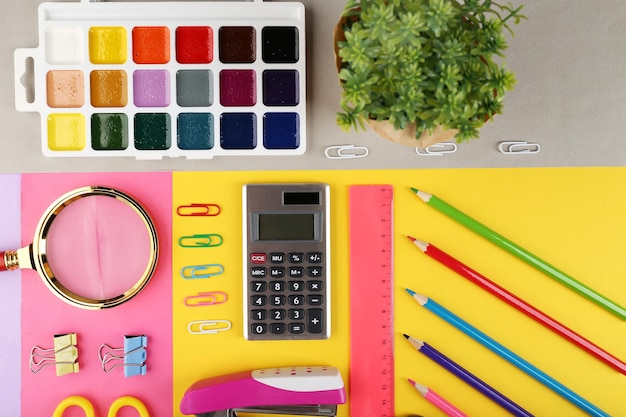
(201,241)
(346,152)
(437,149)
(88,410)
(196,209)
(132,356)
(64,355)
(206,299)
(518,147)
(201,271)
(208,326)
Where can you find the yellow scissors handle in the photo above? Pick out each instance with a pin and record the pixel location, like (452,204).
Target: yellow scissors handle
(75,400)
(127,401)
(84,404)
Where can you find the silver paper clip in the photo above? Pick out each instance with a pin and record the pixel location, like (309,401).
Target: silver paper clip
(518,147)
(437,149)
(201,271)
(346,152)
(64,355)
(196,209)
(132,356)
(210,298)
(208,326)
(207,240)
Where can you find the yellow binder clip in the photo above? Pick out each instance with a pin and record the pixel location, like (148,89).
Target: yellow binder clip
(64,355)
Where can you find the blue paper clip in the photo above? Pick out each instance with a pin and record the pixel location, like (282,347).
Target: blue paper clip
(201,241)
(133,356)
(201,271)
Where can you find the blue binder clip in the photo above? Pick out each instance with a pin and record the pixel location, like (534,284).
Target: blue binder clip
(132,356)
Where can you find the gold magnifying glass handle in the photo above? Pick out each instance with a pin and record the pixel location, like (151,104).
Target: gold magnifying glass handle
(14,259)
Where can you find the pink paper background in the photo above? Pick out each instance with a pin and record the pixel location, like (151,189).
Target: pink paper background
(150,313)
(10,297)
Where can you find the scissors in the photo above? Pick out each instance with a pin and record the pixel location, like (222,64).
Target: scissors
(84,404)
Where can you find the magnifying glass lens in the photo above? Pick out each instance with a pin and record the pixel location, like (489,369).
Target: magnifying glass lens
(97,247)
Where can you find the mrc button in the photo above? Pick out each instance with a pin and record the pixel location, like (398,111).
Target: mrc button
(258,258)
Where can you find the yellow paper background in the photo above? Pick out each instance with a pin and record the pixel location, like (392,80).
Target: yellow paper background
(575,218)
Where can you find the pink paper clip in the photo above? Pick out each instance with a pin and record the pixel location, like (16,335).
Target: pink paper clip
(206,299)
(196,209)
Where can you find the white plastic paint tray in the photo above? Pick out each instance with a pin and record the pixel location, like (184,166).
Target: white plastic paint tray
(192,79)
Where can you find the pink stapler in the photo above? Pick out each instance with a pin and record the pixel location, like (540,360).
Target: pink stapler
(297,391)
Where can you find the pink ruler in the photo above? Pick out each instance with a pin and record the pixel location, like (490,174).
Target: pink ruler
(371,301)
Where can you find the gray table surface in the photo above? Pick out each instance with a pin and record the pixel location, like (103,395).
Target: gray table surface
(569,59)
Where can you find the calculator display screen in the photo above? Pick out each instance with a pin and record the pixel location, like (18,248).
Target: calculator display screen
(286,226)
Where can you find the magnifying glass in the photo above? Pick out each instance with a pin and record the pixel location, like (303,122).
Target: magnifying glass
(94,248)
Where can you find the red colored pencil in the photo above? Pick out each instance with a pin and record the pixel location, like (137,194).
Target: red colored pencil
(521,305)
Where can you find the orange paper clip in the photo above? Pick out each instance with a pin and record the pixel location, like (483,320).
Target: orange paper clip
(196,209)
(206,299)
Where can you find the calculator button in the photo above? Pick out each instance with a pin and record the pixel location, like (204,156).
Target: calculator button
(258,258)
(258,272)
(314,286)
(296,314)
(277,272)
(296,300)
(258,314)
(315,271)
(315,320)
(258,300)
(278,328)
(296,257)
(315,257)
(278,314)
(315,300)
(258,286)
(277,286)
(296,272)
(277,300)
(258,328)
(277,258)
(296,328)
(296,286)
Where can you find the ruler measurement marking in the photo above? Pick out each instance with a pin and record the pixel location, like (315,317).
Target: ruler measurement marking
(371,301)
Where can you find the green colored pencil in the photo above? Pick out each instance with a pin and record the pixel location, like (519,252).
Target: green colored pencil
(521,253)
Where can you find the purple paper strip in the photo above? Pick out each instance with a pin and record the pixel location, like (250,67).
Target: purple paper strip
(11,296)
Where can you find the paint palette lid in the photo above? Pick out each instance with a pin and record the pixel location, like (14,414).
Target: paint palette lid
(167,79)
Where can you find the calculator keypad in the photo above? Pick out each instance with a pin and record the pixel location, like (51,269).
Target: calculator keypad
(287,295)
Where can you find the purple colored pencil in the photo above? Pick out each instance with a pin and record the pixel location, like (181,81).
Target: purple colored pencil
(469,378)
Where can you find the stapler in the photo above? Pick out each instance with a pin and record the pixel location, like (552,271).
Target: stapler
(296,391)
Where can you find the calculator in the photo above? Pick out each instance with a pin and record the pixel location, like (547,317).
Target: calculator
(286,261)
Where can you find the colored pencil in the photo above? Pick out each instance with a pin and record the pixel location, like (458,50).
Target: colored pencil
(521,253)
(521,305)
(437,400)
(467,377)
(507,354)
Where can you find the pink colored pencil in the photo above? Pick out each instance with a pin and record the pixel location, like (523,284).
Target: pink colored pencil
(438,400)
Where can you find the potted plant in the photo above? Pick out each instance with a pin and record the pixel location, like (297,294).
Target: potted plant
(420,72)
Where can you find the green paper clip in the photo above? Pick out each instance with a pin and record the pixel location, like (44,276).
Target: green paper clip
(201,241)
(201,271)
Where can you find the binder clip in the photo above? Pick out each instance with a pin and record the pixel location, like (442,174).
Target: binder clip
(64,355)
(132,356)
(296,391)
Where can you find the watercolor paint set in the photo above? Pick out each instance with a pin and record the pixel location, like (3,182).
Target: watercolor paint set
(167,79)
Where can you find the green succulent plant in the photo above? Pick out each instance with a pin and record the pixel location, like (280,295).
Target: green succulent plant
(429,62)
